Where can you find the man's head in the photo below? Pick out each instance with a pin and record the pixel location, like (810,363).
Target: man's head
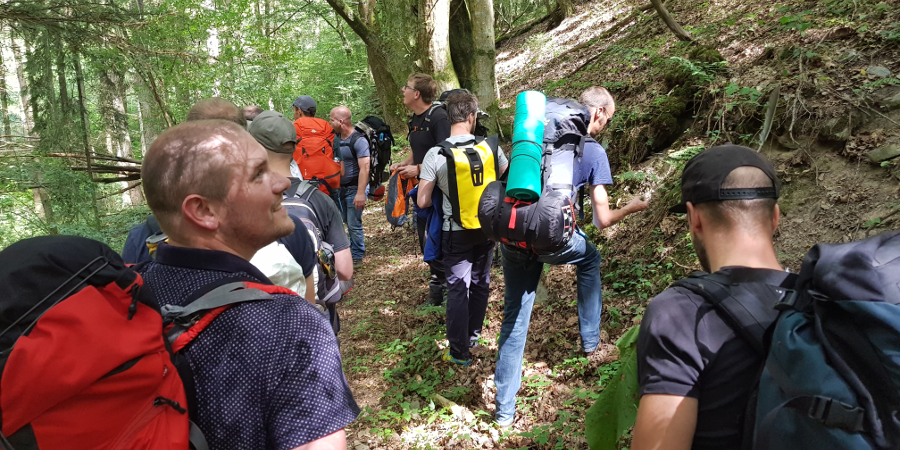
(340,119)
(275,133)
(729,191)
(462,107)
(209,184)
(602,106)
(250,112)
(304,106)
(216,108)
(419,89)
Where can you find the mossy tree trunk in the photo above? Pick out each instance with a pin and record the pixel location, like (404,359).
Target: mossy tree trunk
(484,81)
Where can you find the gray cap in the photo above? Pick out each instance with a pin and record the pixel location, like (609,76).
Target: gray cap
(271,129)
(304,103)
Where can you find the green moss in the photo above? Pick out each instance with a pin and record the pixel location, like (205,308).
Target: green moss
(704,53)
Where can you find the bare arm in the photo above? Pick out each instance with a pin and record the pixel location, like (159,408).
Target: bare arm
(343,264)
(310,294)
(334,441)
(423,199)
(605,217)
(359,202)
(665,422)
(407,161)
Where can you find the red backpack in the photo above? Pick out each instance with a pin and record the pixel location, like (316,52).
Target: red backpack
(315,153)
(84,360)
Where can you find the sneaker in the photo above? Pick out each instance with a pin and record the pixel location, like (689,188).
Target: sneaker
(447,357)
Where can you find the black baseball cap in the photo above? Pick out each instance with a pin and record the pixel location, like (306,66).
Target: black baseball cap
(704,174)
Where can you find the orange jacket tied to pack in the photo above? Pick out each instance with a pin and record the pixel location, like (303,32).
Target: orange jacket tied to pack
(315,153)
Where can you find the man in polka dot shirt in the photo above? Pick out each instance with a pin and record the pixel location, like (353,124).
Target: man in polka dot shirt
(267,374)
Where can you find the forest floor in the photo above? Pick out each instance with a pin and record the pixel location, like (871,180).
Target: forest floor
(836,65)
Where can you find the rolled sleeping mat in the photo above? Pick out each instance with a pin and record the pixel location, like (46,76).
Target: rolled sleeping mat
(524,181)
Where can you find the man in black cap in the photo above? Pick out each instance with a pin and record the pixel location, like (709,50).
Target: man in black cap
(699,351)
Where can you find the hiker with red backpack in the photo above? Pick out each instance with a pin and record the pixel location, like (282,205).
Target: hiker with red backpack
(317,155)
(267,374)
(355,152)
(698,356)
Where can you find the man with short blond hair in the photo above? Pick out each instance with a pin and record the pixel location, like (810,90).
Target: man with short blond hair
(277,386)
(355,182)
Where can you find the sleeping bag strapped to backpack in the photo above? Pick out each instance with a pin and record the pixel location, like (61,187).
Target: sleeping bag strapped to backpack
(544,226)
(87,359)
(378,133)
(315,153)
(471,166)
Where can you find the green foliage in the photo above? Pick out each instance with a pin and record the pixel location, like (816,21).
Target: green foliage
(797,22)
(633,175)
(892,34)
(615,410)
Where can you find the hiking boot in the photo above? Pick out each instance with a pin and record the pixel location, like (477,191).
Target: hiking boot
(357,263)
(436,295)
(449,358)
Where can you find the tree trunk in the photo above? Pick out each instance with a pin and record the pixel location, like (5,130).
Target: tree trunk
(670,22)
(24,97)
(462,44)
(484,82)
(434,43)
(82,111)
(564,9)
(61,78)
(4,96)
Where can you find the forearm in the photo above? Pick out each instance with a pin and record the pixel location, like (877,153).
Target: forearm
(343,264)
(407,161)
(310,294)
(609,217)
(363,175)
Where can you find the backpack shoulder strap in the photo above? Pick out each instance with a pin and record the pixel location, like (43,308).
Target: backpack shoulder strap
(747,321)
(225,295)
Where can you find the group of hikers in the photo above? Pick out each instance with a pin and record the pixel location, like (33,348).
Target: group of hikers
(249,211)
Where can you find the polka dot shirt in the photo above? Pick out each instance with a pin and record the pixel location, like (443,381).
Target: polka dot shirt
(268,373)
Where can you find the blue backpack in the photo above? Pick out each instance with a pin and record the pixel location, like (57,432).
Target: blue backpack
(832,376)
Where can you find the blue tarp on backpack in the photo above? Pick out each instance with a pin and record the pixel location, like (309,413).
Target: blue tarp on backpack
(434,221)
(832,377)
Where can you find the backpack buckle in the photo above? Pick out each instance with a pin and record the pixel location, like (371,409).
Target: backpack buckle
(834,414)
(788,300)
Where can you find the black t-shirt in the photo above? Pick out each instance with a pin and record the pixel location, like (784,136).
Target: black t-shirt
(427,131)
(301,247)
(685,348)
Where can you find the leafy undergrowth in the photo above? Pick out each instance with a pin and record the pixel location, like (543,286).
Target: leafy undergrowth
(411,399)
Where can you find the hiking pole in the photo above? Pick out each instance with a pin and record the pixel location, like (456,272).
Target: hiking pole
(5,443)
(83,269)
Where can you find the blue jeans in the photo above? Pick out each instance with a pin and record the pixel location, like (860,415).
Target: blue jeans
(353,218)
(521,272)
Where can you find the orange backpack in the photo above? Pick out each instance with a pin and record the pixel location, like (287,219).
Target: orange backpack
(315,153)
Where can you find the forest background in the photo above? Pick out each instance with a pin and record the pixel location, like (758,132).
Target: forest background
(86,86)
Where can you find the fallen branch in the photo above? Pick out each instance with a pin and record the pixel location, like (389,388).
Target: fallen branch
(520,30)
(670,22)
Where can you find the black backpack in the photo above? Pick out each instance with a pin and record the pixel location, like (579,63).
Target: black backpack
(547,225)
(380,139)
(441,102)
(329,290)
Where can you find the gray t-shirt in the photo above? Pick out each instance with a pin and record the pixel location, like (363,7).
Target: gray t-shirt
(351,164)
(434,169)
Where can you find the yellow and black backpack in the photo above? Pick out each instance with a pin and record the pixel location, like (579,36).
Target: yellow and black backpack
(471,166)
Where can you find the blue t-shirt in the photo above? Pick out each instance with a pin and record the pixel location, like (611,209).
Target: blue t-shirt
(593,168)
(267,374)
(351,164)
